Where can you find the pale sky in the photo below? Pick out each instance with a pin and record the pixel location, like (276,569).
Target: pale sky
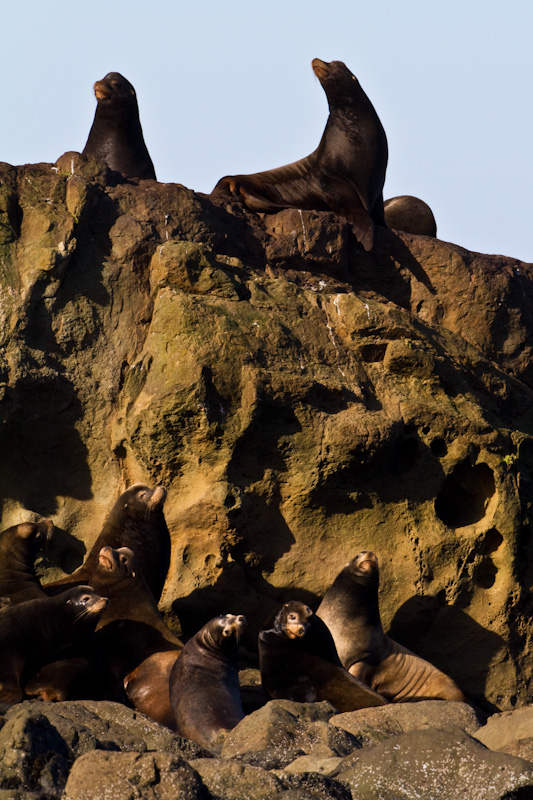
(227,87)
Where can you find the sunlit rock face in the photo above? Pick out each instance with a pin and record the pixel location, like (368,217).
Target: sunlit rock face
(300,399)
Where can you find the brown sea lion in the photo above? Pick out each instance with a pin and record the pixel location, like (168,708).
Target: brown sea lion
(116,135)
(204,683)
(135,521)
(132,650)
(18,547)
(410,214)
(350,609)
(346,172)
(36,631)
(298,661)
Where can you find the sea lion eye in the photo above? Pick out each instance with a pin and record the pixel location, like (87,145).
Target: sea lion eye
(292,617)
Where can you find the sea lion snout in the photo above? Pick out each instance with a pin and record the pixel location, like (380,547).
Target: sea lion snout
(101,91)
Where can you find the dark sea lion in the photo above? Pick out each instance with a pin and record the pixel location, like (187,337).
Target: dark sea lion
(132,650)
(116,135)
(410,214)
(204,683)
(135,521)
(346,172)
(298,661)
(350,609)
(19,546)
(36,631)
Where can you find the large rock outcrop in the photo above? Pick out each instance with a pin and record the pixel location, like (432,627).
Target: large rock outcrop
(300,399)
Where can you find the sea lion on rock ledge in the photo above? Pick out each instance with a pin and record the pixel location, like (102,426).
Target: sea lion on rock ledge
(346,172)
(298,661)
(204,683)
(18,547)
(350,609)
(410,214)
(116,135)
(36,631)
(135,521)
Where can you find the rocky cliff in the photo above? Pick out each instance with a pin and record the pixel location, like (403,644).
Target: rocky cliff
(300,399)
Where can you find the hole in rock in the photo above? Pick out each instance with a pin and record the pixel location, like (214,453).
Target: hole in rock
(405,456)
(485,574)
(372,352)
(438,448)
(465,494)
(493,539)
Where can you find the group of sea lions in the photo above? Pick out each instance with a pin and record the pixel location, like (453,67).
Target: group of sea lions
(345,174)
(98,634)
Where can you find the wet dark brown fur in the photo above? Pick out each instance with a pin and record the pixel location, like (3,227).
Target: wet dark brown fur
(132,650)
(116,135)
(36,631)
(410,214)
(298,661)
(136,521)
(346,172)
(19,546)
(350,609)
(204,683)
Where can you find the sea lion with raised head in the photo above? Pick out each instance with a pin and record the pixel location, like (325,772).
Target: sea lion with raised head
(410,214)
(350,609)
(36,631)
(135,521)
(131,652)
(345,174)
(298,661)
(204,683)
(116,135)
(19,546)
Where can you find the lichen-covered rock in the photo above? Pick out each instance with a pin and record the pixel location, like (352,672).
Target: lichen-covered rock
(373,725)
(434,764)
(125,776)
(300,399)
(40,740)
(234,781)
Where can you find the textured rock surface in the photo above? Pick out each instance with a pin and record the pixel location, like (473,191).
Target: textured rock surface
(374,725)
(437,765)
(300,399)
(504,730)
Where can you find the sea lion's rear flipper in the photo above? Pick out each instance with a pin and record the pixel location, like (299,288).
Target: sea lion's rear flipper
(236,187)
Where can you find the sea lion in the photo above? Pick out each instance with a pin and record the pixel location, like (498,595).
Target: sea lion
(410,214)
(204,682)
(116,135)
(132,650)
(18,547)
(350,609)
(34,632)
(346,172)
(298,661)
(135,521)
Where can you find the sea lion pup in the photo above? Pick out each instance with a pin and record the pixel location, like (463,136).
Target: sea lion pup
(18,547)
(410,214)
(34,632)
(116,135)
(346,172)
(135,521)
(298,661)
(131,637)
(350,609)
(204,683)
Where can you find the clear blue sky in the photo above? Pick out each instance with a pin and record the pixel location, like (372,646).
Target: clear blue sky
(227,87)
